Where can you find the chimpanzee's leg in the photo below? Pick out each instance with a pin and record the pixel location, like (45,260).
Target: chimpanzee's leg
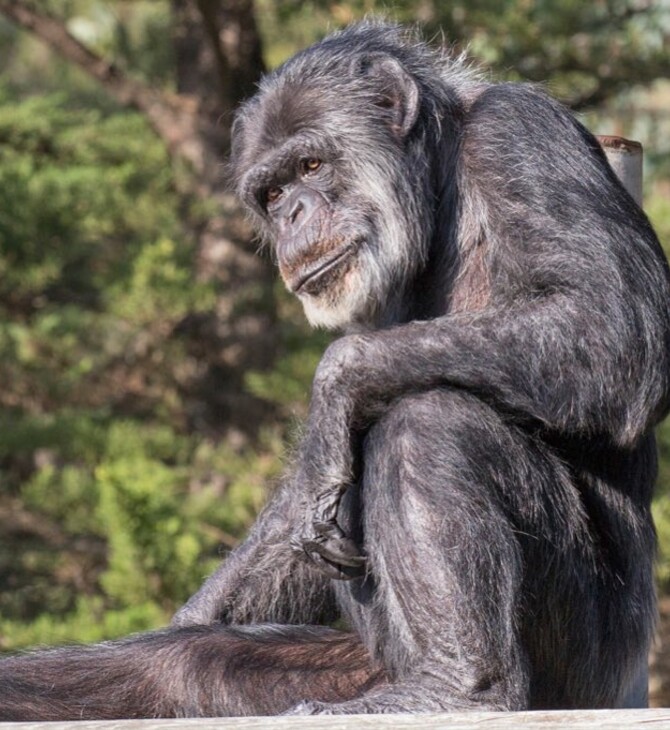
(471,525)
(440,607)
(201,671)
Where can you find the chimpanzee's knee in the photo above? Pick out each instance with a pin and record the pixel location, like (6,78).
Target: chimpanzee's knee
(439,440)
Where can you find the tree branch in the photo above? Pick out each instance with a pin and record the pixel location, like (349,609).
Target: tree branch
(233,33)
(174,119)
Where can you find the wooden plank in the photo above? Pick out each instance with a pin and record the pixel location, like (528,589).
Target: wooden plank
(575,720)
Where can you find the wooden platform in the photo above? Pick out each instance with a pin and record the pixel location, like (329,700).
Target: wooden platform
(582,720)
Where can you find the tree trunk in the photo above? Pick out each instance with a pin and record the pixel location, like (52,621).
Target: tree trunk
(218,60)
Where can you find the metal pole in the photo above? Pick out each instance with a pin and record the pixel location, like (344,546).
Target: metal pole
(625,158)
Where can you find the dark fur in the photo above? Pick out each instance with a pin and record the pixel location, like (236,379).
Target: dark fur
(493,403)
(204,671)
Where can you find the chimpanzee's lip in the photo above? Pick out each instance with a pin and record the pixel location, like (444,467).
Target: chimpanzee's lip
(323,267)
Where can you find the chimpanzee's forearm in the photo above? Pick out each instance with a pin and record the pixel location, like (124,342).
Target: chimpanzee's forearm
(558,362)
(264,579)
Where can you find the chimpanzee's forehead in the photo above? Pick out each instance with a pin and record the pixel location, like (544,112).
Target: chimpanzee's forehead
(321,93)
(291,110)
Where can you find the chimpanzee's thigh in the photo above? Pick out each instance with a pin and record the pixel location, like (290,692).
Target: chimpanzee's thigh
(486,584)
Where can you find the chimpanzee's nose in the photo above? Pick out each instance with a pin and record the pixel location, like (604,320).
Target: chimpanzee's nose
(299,209)
(295,211)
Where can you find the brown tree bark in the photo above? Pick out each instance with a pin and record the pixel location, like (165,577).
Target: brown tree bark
(218,60)
(173,118)
(218,55)
(230,26)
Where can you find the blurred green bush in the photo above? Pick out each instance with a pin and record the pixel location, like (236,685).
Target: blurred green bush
(108,500)
(115,499)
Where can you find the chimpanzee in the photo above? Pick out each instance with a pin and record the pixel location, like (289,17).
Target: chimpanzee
(472,493)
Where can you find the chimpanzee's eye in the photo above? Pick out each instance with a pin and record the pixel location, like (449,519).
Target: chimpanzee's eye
(272,194)
(311,164)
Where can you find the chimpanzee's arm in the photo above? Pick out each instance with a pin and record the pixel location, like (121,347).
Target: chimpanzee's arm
(575,337)
(263,579)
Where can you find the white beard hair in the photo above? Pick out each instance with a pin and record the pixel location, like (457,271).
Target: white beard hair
(367,288)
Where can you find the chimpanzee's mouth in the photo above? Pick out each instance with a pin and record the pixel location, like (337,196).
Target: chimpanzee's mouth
(313,280)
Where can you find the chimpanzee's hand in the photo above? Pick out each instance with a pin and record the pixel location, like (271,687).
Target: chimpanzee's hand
(322,540)
(325,468)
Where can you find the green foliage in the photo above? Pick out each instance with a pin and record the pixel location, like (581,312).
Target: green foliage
(287,384)
(587,51)
(113,510)
(658,209)
(160,284)
(661,508)
(76,190)
(115,497)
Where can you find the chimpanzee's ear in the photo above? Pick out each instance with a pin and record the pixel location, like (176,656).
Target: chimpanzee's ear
(398,91)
